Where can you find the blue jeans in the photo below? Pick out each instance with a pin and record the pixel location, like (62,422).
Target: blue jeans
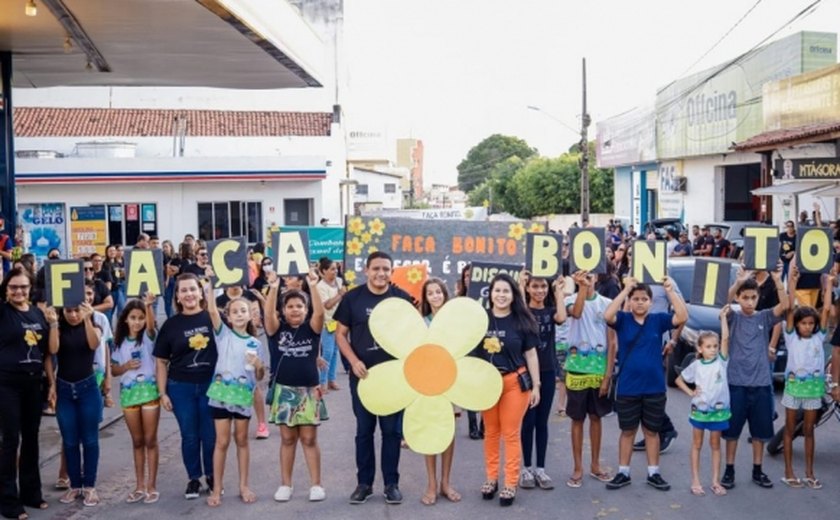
(198,433)
(168,294)
(119,302)
(329,351)
(78,412)
(365,455)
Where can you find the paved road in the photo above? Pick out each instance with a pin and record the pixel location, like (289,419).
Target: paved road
(637,501)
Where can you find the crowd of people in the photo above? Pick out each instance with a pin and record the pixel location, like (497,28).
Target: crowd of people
(272,349)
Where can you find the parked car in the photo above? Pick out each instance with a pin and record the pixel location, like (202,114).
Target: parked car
(733,231)
(702,318)
(660,225)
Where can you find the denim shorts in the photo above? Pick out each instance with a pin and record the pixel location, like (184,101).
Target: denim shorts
(752,404)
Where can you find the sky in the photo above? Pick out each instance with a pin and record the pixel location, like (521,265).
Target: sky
(452,72)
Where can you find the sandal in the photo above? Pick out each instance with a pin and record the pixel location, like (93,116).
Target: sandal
(561,412)
(135,496)
(698,491)
(70,496)
(813,483)
(214,500)
(151,497)
(428,499)
(62,483)
(601,475)
(718,490)
(488,490)
(574,482)
(450,494)
(506,496)
(792,482)
(91,497)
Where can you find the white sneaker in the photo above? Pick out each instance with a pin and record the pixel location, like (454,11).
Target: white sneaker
(317,493)
(283,494)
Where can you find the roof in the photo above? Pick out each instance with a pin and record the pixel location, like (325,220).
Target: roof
(129,122)
(378,172)
(790,136)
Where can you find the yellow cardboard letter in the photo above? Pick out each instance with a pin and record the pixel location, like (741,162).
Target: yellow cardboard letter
(225,274)
(587,262)
(649,258)
(710,284)
(59,282)
(544,262)
(762,236)
(291,254)
(142,268)
(815,250)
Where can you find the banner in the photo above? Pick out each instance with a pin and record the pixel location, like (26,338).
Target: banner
(290,250)
(45,226)
(64,283)
(650,258)
(143,272)
(544,254)
(482,273)
(323,241)
(710,286)
(88,231)
(761,248)
(444,248)
(587,250)
(816,168)
(814,250)
(229,258)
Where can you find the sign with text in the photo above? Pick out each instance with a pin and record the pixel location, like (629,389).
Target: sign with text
(291,252)
(544,254)
(443,247)
(481,274)
(323,241)
(761,248)
(813,168)
(65,283)
(587,250)
(229,258)
(143,272)
(87,231)
(650,258)
(814,251)
(710,286)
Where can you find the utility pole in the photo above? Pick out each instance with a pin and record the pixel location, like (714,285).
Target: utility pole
(584,157)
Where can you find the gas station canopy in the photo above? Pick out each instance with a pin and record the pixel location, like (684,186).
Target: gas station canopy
(245,44)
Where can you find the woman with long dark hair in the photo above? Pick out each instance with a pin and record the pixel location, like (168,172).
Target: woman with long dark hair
(510,345)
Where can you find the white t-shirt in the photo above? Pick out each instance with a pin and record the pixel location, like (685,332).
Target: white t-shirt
(99,359)
(804,376)
(232,387)
(326,292)
(137,386)
(588,336)
(712,405)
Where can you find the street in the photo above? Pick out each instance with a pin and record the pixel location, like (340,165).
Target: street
(638,501)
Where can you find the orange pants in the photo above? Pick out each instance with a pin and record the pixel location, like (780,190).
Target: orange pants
(503,423)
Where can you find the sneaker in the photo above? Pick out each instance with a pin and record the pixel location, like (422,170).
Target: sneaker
(543,480)
(393,495)
(760,479)
(317,493)
(284,493)
(728,480)
(209,482)
(658,482)
(640,445)
(193,490)
(262,431)
(666,439)
(361,494)
(526,479)
(619,481)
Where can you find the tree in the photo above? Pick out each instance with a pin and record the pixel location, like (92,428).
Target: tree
(483,158)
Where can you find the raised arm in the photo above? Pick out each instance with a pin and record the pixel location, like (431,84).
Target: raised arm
(783,304)
(272,322)
(826,310)
(212,309)
(92,333)
(743,276)
(677,302)
(560,315)
(612,309)
(317,320)
(581,278)
(524,276)
(793,281)
(724,331)
(151,324)
(52,342)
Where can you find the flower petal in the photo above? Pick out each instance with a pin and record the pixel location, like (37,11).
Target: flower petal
(478,385)
(458,326)
(397,326)
(385,391)
(429,425)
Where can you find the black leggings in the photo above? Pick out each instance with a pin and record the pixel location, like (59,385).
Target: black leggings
(20,419)
(536,420)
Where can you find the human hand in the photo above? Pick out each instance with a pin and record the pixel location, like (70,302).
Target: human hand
(630,283)
(312,277)
(273,279)
(149,298)
(744,274)
(322,363)
(85,311)
(724,311)
(51,315)
(697,392)
(534,399)
(166,403)
(51,396)
(132,364)
(835,393)
(668,284)
(359,369)
(605,387)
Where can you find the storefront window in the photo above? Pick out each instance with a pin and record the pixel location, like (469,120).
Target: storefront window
(230,219)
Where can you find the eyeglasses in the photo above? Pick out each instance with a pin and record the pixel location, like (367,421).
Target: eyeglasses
(14,288)
(88,268)
(201,254)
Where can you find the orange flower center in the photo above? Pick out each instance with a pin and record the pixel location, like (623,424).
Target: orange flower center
(430,369)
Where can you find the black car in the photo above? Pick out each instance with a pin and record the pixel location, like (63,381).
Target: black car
(659,226)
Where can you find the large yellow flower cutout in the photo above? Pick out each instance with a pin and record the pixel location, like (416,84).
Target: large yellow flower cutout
(536,227)
(430,372)
(199,342)
(516,231)
(354,247)
(356,225)
(376,226)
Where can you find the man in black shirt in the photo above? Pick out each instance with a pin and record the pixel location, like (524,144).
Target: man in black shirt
(787,246)
(357,344)
(200,267)
(721,249)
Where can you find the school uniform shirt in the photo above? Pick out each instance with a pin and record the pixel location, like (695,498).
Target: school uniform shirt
(712,405)
(804,372)
(232,388)
(188,343)
(588,336)
(545,350)
(75,357)
(138,385)
(749,337)
(294,355)
(640,361)
(354,311)
(24,337)
(99,355)
(504,345)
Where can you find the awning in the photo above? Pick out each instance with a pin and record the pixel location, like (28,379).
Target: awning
(792,188)
(833,191)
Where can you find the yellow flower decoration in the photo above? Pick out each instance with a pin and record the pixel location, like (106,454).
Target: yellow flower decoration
(199,342)
(372,249)
(376,226)
(431,371)
(492,345)
(366,237)
(354,247)
(356,225)
(414,275)
(536,227)
(31,338)
(350,276)
(516,230)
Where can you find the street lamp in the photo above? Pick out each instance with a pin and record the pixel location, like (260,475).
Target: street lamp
(555,118)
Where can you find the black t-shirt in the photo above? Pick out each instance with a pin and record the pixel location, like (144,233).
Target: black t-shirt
(354,311)
(24,337)
(75,357)
(195,269)
(768,297)
(709,240)
(105,276)
(223,299)
(294,355)
(545,350)
(117,274)
(786,245)
(609,287)
(502,333)
(187,341)
(698,242)
(809,281)
(100,291)
(721,248)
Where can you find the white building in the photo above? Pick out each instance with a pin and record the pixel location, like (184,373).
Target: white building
(376,189)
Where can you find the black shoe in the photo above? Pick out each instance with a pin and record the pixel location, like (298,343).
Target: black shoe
(361,494)
(474,433)
(619,481)
(639,446)
(760,479)
(658,482)
(209,482)
(193,490)
(393,495)
(728,480)
(666,439)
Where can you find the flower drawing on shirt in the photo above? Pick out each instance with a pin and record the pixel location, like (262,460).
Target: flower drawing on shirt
(492,345)
(431,372)
(31,338)
(199,341)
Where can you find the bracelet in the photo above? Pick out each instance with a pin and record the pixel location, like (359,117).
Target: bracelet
(53,325)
